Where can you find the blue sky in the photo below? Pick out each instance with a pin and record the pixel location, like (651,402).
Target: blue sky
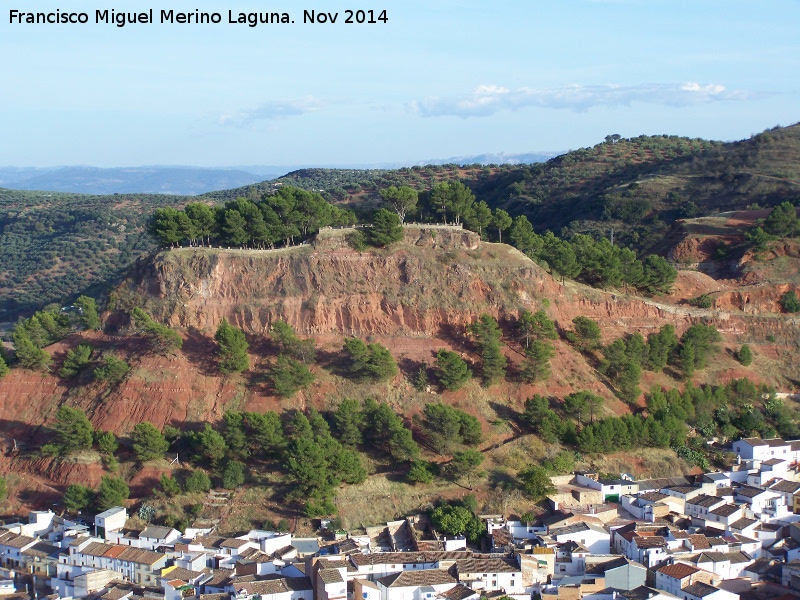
(440,79)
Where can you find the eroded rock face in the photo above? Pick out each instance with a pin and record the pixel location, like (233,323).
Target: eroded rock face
(413,290)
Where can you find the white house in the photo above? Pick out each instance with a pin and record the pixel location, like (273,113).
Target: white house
(270,541)
(607,487)
(420,585)
(758,449)
(705,591)
(723,515)
(596,538)
(763,503)
(699,506)
(110,520)
(673,578)
(11,547)
(286,588)
(725,565)
(152,537)
(773,468)
(647,550)
(718,478)
(379,564)
(491,574)
(787,489)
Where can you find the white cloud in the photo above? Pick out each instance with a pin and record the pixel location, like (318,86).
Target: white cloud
(269,111)
(486,100)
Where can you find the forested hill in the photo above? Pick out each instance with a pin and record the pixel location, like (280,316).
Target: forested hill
(57,245)
(638,187)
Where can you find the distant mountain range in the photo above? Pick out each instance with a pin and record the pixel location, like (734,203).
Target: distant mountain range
(181,181)
(191,181)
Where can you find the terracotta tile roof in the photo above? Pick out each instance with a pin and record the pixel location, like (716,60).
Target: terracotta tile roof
(679,570)
(459,592)
(114,551)
(704,500)
(208,541)
(220,577)
(653,496)
(699,589)
(742,523)
(749,491)
(655,541)
(42,550)
(140,556)
(395,558)
(601,568)
(274,586)
(181,573)
(330,576)
(487,565)
(699,541)
(417,578)
(17,541)
(155,532)
(786,486)
(726,510)
(98,549)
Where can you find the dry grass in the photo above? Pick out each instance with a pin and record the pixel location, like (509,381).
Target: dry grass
(642,463)
(381,499)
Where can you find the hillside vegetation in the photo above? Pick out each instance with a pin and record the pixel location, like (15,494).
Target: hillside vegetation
(537,371)
(56,246)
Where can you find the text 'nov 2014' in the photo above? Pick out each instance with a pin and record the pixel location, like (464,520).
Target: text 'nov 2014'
(197,17)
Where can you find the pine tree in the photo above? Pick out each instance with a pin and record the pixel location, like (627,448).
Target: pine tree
(88,316)
(148,442)
(487,333)
(688,359)
(169,485)
(112,492)
(77,497)
(113,370)
(232,348)
(501,221)
(348,421)
(419,472)
(386,229)
(289,375)
(421,379)
(586,335)
(75,361)
(536,366)
(451,370)
(73,429)
(628,381)
(29,355)
(745,355)
(233,475)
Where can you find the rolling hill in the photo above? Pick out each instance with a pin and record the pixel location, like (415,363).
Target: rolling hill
(57,245)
